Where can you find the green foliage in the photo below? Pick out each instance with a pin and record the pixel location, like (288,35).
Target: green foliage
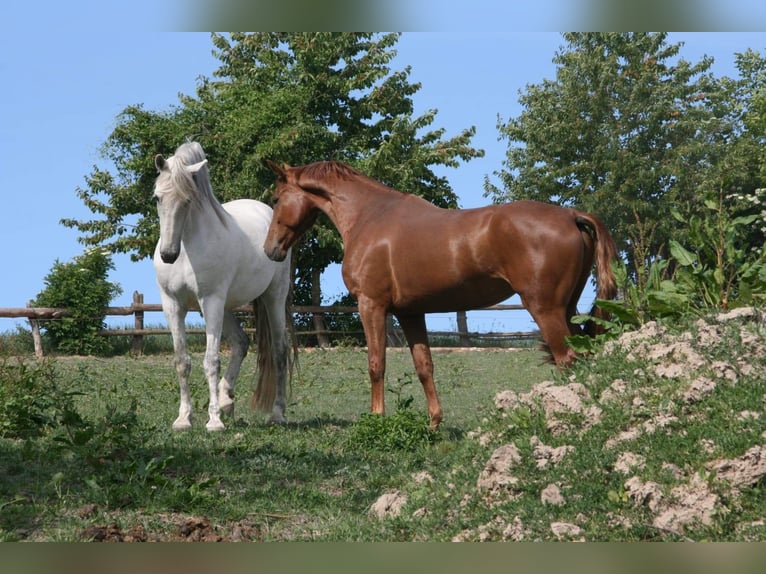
(404,430)
(653,298)
(622,318)
(29,396)
(109,451)
(81,286)
(721,269)
(17,343)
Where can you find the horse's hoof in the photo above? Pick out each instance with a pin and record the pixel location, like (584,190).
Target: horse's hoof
(181,425)
(227,409)
(215,426)
(277,420)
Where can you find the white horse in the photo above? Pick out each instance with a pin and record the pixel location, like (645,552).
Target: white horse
(210,256)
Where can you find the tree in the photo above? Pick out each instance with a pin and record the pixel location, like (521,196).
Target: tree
(290,97)
(743,175)
(617,133)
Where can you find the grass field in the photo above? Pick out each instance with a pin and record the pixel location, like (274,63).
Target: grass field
(128,476)
(661,438)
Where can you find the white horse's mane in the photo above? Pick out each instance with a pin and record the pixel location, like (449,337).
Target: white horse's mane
(195,188)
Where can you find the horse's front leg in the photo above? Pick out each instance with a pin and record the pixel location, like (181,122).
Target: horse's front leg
(373,318)
(176,317)
(414,327)
(212,311)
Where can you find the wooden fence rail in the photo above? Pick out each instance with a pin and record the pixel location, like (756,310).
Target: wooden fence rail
(138,310)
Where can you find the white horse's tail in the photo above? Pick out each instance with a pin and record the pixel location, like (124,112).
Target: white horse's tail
(275,358)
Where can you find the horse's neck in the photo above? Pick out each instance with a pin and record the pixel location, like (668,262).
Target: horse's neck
(344,204)
(204,219)
(351,203)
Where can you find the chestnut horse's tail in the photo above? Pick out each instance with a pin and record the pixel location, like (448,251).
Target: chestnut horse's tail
(606,251)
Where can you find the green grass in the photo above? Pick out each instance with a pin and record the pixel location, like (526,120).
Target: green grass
(116,462)
(109,467)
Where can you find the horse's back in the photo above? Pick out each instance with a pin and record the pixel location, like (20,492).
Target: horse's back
(254,217)
(436,259)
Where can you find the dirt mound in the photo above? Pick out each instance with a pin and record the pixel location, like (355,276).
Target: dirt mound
(389,505)
(497,472)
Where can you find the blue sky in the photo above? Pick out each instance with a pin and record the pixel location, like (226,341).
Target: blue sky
(64,86)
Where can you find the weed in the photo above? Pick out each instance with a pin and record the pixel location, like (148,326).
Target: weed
(29,395)
(404,430)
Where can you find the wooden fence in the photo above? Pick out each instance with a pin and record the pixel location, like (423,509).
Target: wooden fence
(138,309)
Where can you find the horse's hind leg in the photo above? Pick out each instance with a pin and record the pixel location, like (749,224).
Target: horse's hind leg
(414,327)
(239,343)
(275,306)
(554,326)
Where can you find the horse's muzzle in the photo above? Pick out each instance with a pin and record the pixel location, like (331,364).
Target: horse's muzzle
(169,257)
(276,253)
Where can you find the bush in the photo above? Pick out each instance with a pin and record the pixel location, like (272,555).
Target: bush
(723,267)
(16,343)
(29,397)
(82,287)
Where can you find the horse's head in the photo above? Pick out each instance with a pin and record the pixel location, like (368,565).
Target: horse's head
(174,192)
(295,210)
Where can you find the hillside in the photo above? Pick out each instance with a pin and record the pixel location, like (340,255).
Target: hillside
(660,437)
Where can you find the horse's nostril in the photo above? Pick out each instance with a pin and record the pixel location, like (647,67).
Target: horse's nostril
(169,257)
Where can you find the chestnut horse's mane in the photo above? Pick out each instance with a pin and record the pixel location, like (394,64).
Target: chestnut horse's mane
(324,169)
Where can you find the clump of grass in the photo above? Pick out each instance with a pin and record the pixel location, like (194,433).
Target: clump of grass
(404,430)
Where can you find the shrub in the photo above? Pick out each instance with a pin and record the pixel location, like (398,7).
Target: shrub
(723,267)
(82,287)
(29,397)
(16,343)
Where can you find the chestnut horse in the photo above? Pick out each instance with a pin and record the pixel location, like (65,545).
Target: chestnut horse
(405,256)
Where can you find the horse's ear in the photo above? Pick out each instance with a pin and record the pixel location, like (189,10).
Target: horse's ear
(194,168)
(280,171)
(159,162)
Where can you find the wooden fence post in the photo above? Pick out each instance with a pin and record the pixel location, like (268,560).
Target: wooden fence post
(462,329)
(36,338)
(323,340)
(137,348)
(393,338)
